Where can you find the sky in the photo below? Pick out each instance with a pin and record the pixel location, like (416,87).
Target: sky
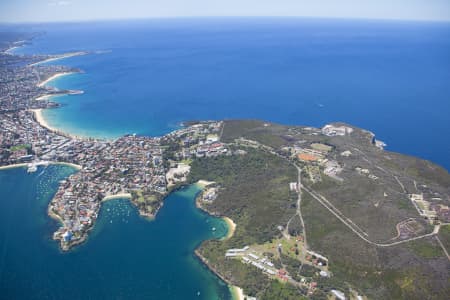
(18,11)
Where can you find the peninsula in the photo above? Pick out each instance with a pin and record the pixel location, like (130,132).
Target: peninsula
(316,212)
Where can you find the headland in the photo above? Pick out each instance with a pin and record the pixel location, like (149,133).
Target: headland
(358,206)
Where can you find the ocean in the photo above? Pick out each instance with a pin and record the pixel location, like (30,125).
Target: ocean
(148,76)
(145,77)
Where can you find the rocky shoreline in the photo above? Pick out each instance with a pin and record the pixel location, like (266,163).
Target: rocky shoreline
(205,262)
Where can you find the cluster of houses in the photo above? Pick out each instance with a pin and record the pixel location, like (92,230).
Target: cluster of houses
(332,169)
(248,257)
(315,157)
(131,163)
(317,259)
(210,194)
(430,208)
(332,130)
(21,140)
(177,174)
(365,172)
(198,140)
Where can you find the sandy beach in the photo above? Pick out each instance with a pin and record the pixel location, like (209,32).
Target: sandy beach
(78,167)
(43,83)
(41,120)
(38,112)
(237,293)
(54,216)
(230,224)
(117,196)
(204,183)
(44,97)
(13,166)
(9,51)
(59,57)
(231,228)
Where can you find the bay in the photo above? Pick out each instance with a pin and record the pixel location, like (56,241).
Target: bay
(148,76)
(145,77)
(125,257)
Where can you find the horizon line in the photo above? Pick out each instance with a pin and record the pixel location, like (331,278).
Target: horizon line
(225,17)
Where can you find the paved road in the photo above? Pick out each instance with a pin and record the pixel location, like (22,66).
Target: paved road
(298,210)
(443,247)
(299,200)
(333,210)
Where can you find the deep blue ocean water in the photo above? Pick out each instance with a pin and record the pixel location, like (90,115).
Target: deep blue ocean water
(125,257)
(390,77)
(146,77)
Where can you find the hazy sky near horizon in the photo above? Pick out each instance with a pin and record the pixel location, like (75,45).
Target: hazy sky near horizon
(74,10)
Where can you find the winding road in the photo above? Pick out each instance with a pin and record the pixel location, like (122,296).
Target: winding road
(333,210)
(336,212)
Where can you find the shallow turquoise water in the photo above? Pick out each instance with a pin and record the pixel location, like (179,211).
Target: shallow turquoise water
(126,256)
(390,77)
(146,77)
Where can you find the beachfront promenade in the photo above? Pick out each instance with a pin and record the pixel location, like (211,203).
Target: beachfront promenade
(132,165)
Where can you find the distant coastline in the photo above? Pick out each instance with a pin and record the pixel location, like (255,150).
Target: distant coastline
(38,112)
(67,55)
(58,75)
(376,170)
(39,117)
(11,50)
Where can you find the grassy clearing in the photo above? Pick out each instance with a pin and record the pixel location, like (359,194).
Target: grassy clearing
(20,147)
(425,249)
(444,236)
